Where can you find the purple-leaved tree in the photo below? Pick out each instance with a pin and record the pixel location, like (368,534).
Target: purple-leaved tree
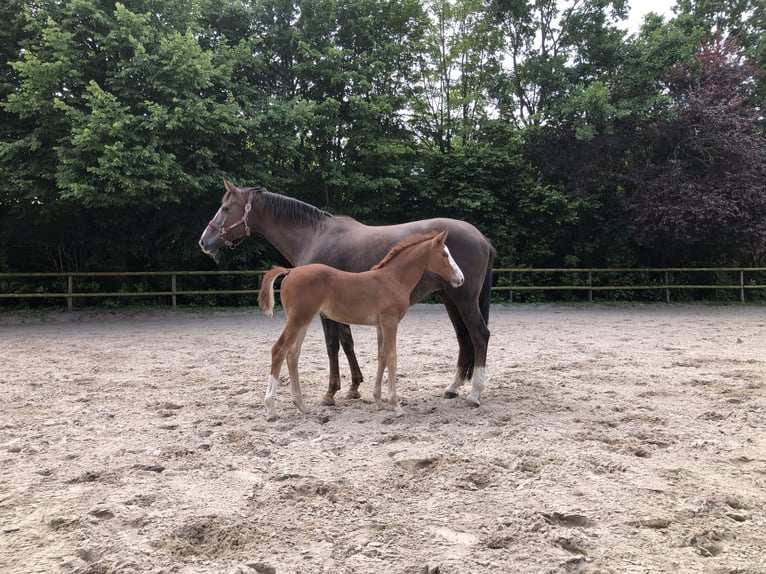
(700,193)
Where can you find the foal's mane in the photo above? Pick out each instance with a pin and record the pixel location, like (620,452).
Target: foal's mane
(402,246)
(289,208)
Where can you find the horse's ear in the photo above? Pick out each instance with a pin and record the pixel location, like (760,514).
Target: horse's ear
(228,185)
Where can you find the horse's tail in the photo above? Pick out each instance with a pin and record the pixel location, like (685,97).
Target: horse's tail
(266,292)
(485,297)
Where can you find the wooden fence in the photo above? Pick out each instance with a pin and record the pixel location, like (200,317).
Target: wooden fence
(663,280)
(506,282)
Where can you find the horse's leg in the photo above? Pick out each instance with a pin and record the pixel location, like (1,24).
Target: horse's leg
(278,354)
(293,354)
(479,332)
(389,346)
(472,325)
(347,342)
(465,348)
(332,341)
(381,367)
(335,335)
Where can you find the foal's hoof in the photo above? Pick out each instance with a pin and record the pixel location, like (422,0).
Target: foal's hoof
(353,394)
(450,395)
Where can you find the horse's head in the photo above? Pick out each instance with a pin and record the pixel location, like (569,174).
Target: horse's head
(442,263)
(231,223)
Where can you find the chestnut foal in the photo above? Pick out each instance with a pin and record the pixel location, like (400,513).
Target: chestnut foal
(380,297)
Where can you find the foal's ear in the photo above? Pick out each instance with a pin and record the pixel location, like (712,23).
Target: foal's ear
(442,237)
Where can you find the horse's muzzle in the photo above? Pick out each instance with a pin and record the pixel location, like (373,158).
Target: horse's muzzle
(457,281)
(209,245)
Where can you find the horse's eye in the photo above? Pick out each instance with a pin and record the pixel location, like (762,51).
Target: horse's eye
(224,210)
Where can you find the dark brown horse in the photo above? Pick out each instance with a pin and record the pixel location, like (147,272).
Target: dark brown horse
(380,297)
(305,234)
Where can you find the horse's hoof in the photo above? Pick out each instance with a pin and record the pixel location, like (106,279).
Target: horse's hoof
(472,402)
(328,401)
(353,395)
(302,408)
(450,395)
(271,418)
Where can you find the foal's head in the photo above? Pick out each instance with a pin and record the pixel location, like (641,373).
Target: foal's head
(439,259)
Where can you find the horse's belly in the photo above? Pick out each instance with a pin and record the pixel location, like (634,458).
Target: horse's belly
(338,313)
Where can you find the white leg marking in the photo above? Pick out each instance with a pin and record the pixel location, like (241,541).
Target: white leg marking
(454,389)
(269,399)
(478,386)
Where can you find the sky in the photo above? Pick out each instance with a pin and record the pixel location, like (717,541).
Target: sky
(638,8)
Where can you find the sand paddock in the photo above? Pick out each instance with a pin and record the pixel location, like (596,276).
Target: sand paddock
(610,439)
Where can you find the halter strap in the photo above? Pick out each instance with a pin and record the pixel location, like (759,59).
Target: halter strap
(222,231)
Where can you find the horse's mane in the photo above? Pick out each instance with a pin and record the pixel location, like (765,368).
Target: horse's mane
(403,245)
(289,208)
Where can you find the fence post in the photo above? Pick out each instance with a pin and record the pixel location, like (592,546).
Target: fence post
(590,284)
(742,286)
(667,288)
(173,290)
(510,287)
(69,291)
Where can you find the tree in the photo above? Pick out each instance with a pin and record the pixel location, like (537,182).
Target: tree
(701,195)
(117,109)
(490,183)
(744,20)
(552,47)
(595,134)
(457,64)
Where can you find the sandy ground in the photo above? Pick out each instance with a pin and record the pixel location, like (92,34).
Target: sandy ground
(610,439)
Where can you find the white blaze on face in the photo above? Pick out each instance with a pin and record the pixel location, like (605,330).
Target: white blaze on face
(458,279)
(204,240)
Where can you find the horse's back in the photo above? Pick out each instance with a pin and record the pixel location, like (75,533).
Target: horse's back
(352,246)
(463,237)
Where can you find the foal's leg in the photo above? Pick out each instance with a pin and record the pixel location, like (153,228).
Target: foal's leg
(389,337)
(387,360)
(285,347)
(293,354)
(278,354)
(381,367)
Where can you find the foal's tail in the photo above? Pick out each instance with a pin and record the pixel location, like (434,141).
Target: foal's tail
(266,292)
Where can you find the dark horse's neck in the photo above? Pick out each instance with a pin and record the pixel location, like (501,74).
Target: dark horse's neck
(292,210)
(289,224)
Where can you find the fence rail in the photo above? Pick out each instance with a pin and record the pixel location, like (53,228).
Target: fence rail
(506,280)
(664,283)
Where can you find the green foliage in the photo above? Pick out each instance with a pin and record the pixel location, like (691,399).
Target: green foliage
(532,120)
